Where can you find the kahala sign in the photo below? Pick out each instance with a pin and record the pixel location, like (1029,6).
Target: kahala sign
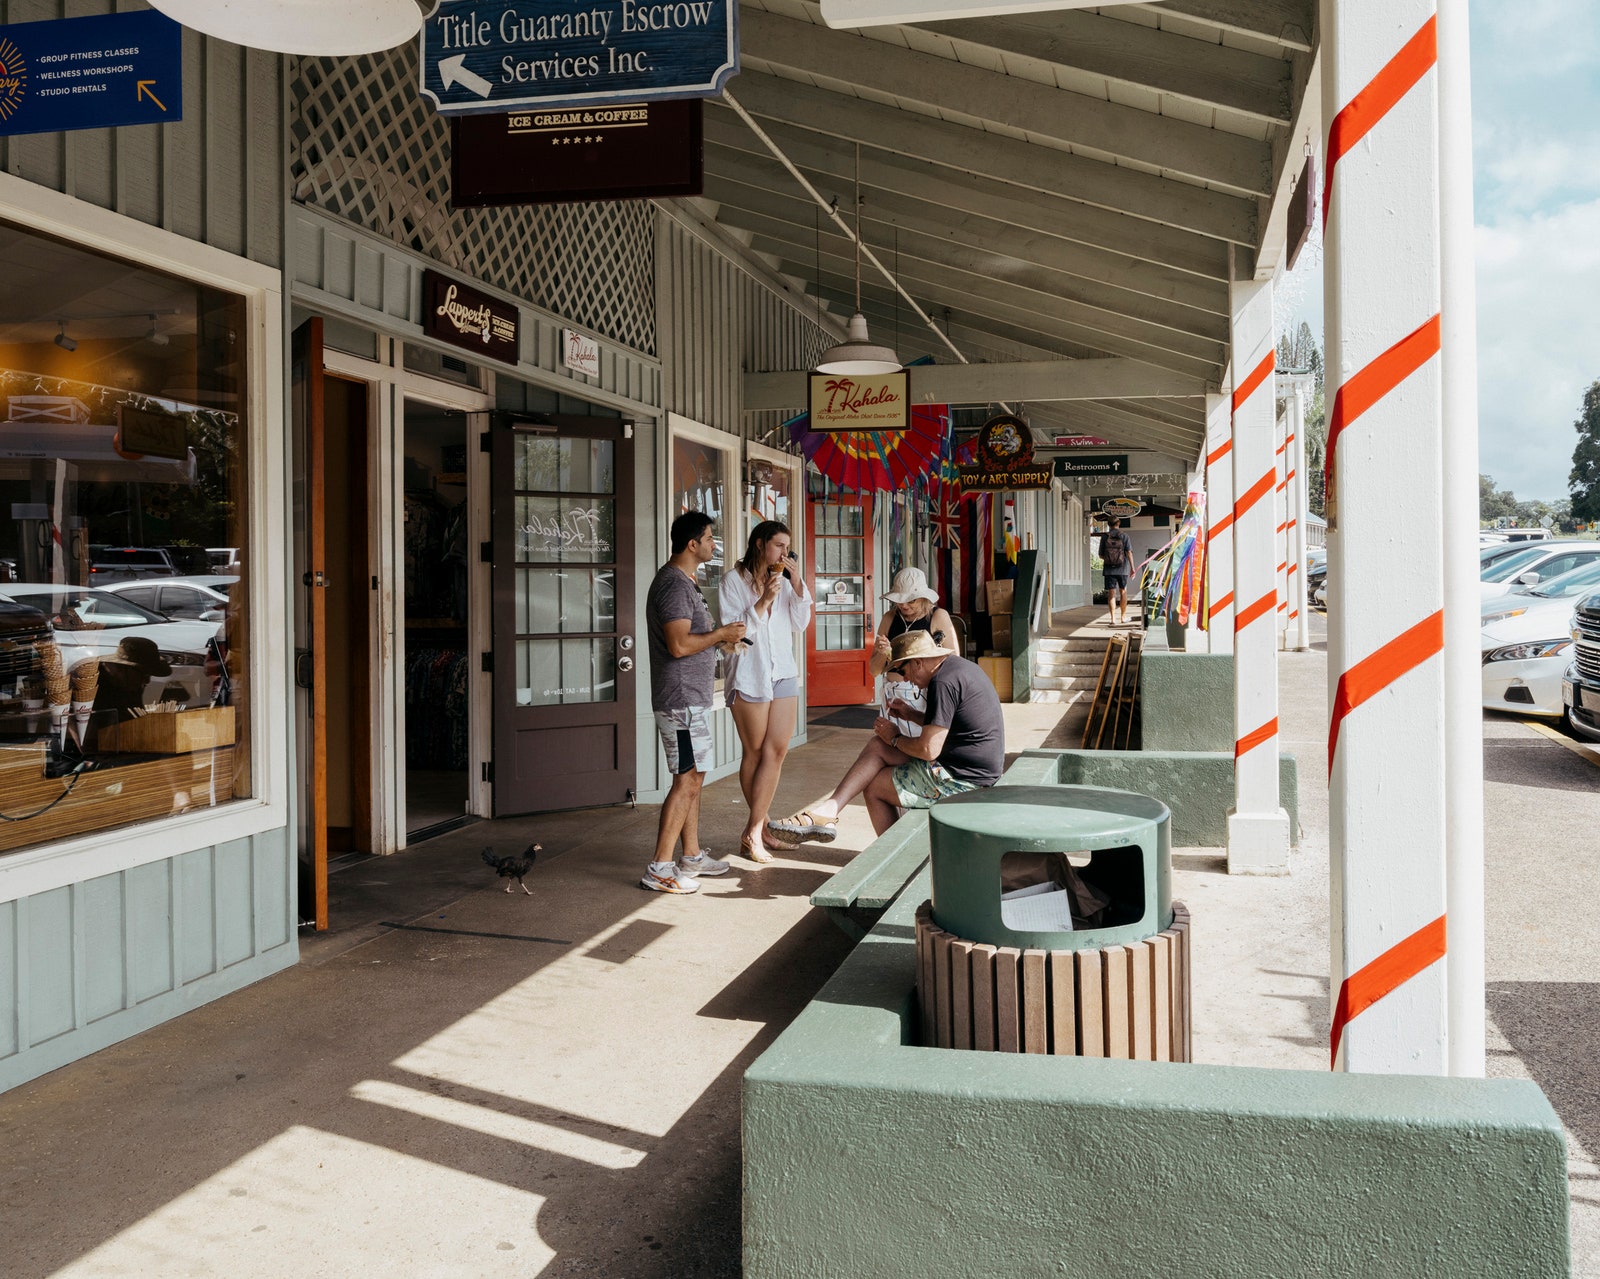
(654,149)
(493,55)
(1005,458)
(858,402)
(462,316)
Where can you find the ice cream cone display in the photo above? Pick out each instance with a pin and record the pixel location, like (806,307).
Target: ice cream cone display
(85,679)
(57,689)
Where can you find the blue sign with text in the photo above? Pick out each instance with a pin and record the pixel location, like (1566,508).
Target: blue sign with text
(499,55)
(91,73)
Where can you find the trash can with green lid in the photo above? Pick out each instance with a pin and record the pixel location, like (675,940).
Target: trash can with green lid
(1052,927)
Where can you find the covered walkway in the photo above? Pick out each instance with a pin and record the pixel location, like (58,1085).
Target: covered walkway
(457,1081)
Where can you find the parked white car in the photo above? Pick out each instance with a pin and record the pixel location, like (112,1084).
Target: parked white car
(1527,643)
(202,599)
(1534,565)
(94,623)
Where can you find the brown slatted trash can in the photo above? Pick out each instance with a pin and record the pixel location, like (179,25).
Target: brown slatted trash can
(1018,970)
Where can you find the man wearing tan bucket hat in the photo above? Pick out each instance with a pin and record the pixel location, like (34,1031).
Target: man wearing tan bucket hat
(962,746)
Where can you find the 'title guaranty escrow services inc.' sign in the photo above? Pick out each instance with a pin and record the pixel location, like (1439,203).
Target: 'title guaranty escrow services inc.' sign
(497,55)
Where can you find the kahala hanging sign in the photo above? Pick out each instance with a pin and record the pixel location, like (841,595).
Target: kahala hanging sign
(1005,458)
(463,316)
(861,401)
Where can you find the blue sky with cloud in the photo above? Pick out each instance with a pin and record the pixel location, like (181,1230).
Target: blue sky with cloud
(1536,149)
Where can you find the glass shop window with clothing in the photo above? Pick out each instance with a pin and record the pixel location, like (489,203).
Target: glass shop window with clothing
(123,651)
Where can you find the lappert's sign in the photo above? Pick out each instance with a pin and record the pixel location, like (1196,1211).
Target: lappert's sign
(463,316)
(857,402)
(580,353)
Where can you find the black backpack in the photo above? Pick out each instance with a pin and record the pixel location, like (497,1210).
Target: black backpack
(1113,550)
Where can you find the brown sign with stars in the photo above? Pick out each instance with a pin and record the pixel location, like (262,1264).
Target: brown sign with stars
(593,153)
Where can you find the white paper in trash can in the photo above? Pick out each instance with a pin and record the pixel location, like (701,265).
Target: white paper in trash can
(1038,908)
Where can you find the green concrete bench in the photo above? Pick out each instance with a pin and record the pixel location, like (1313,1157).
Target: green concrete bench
(857,895)
(1196,785)
(865,1155)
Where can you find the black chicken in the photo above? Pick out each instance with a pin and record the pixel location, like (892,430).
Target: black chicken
(509,868)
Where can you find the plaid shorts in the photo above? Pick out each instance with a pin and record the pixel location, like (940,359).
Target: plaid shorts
(686,738)
(919,782)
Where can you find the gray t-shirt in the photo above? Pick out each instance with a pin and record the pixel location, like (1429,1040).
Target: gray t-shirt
(677,682)
(962,700)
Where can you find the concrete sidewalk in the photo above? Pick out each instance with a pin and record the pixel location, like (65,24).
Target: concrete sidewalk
(457,1081)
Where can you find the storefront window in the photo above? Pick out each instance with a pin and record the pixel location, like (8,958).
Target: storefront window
(704,465)
(124,632)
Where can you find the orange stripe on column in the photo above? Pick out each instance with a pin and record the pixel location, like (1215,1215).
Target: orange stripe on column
(1258,609)
(1253,494)
(1221,604)
(1383,976)
(1219,527)
(1375,672)
(1362,113)
(1251,740)
(1256,378)
(1375,381)
(1221,452)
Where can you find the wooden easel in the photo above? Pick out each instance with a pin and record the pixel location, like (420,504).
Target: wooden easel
(1126,694)
(1106,689)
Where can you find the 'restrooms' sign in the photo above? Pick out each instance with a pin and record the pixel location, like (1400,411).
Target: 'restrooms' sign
(499,55)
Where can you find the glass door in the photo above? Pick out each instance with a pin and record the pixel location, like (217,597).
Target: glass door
(839,564)
(564,670)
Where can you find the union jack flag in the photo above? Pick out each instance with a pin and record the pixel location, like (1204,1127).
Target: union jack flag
(947,523)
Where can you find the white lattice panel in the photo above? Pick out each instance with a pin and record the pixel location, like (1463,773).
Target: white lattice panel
(364,146)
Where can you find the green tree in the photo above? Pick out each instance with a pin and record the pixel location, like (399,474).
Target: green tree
(1494,503)
(1584,482)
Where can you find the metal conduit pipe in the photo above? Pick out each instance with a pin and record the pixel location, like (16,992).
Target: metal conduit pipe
(832,211)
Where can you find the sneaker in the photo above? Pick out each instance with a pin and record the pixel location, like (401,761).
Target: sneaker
(703,863)
(665,877)
(800,827)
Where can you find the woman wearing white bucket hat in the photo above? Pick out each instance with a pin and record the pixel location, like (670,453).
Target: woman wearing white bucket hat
(913,606)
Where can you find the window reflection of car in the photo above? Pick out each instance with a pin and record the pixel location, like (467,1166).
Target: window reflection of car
(91,623)
(22,630)
(201,599)
(128,563)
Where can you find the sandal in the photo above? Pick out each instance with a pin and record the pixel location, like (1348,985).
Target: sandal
(803,826)
(752,852)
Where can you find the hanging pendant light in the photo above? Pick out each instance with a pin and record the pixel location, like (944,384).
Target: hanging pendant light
(858,354)
(313,27)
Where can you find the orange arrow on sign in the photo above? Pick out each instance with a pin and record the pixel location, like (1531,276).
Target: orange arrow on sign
(144,89)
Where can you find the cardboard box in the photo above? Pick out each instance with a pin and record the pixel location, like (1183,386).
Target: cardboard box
(175,733)
(1000,629)
(999,595)
(998,669)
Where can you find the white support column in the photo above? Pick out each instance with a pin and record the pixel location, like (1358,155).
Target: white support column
(1463,759)
(1299,509)
(1280,512)
(1258,827)
(1219,522)
(1386,741)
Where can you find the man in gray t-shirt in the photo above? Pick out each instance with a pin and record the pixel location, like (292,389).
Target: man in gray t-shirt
(683,661)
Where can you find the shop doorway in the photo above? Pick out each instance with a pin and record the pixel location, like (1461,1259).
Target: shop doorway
(839,560)
(564,657)
(435,600)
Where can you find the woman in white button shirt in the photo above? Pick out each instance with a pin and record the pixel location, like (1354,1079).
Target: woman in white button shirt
(766,592)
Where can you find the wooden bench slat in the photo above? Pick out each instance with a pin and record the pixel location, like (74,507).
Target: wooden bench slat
(1035,1003)
(1008,1020)
(961,995)
(983,1026)
(1063,1005)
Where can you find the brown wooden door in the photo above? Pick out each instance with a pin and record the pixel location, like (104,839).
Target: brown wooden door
(565,656)
(839,560)
(307,394)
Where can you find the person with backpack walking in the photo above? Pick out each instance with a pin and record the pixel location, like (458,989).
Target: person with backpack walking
(1116,558)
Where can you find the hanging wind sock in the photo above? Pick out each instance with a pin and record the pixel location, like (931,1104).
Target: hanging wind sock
(1175,575)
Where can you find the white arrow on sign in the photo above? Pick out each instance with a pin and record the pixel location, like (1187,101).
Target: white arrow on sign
(454,71)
